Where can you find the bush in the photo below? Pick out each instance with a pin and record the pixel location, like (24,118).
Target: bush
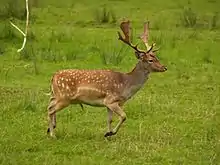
(188,18)
(214,21)
(105,16)
(12,8)
(112,55)
(15,9)
(6,31)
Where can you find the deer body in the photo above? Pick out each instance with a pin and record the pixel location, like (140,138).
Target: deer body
(97,87)
(102,88)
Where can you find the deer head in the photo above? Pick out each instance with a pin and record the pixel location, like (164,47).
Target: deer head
(148,58)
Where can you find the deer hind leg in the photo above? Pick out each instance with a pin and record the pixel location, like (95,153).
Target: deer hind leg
(50,107)
(122,117)
(54,106)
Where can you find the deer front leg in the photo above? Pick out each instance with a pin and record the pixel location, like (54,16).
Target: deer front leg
(122,117)
(109,119)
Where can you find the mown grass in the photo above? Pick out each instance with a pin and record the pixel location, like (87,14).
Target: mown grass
(174,119)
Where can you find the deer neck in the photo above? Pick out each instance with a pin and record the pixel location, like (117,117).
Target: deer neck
(135,79)
(139,72)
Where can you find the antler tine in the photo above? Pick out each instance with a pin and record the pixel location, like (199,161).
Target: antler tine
(125,27)
(145,35)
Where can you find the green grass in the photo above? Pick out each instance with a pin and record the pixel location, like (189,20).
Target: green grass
(174,119)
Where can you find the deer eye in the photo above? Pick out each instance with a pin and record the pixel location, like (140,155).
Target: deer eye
(150,61)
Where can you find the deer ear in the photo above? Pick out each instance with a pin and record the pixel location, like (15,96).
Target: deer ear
(139,55)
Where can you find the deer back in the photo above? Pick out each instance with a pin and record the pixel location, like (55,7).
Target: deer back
(89,83)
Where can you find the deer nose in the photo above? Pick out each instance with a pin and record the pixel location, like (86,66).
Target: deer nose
(165,68)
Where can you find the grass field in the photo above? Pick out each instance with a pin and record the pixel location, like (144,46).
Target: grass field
(174,119)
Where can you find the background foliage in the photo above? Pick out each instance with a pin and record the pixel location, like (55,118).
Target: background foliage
(174,119)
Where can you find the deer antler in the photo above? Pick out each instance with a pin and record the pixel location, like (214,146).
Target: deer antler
(145,35)
(125,27)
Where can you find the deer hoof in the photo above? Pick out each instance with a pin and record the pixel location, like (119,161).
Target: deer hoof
(109,134)
(48,130)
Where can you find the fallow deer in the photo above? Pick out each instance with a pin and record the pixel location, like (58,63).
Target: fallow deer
(103,88)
